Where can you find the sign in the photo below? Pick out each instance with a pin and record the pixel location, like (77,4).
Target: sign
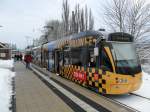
(78,75)
(121,37)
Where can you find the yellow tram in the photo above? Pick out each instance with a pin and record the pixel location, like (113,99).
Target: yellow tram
(108,64)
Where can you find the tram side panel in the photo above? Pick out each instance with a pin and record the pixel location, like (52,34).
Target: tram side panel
(102,77)
(98,73)
(83,68)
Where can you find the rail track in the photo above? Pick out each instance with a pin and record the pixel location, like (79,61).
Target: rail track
(120,103)
(135,102)
(140,96)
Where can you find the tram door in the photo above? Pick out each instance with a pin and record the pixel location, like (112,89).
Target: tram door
(58,61)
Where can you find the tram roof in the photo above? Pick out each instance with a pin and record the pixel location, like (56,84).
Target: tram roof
(53,44)
(108,36)
(86,34)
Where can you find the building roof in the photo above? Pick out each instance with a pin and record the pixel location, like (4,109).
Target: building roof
(4,45)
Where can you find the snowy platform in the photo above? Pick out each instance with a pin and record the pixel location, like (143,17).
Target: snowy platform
(7,64)
(6,92)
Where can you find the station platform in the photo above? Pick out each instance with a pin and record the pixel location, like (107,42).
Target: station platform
(32,95)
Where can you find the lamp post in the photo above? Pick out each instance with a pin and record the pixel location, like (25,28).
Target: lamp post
(27,40)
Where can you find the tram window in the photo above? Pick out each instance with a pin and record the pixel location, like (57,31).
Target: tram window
(66,58)
(84,57)
(61,59)
(76,57)
(106,64)
(91,57)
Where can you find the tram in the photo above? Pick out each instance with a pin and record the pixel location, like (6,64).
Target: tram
(105,63)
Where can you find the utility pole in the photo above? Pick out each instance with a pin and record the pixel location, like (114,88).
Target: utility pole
(27,40)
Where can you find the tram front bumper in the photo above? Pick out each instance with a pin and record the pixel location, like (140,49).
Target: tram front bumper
(120,88)
(133,84)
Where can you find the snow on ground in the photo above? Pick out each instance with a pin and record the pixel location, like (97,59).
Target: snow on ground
(145,88)
(6,64)
(135,102)
(6,76)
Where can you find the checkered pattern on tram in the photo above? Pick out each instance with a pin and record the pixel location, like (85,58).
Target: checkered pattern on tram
(95,77)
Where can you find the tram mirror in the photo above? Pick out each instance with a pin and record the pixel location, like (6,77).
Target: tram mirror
(96,51)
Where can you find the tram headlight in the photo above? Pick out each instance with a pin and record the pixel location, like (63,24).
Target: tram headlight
(120,80)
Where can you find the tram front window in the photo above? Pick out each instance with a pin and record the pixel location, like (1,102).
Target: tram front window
(126,58)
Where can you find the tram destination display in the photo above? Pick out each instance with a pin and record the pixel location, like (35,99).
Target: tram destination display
(122,37)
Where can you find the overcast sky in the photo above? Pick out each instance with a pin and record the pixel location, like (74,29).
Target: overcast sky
(25,18)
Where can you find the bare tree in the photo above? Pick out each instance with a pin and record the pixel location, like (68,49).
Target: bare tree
(79,20)
(91,20)
(86,18)
(82,21)
(138,19)
(115,13)
(65,16)
(75,20)
(131,16)
(72,22)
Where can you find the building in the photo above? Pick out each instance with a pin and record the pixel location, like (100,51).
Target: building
(5,51)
